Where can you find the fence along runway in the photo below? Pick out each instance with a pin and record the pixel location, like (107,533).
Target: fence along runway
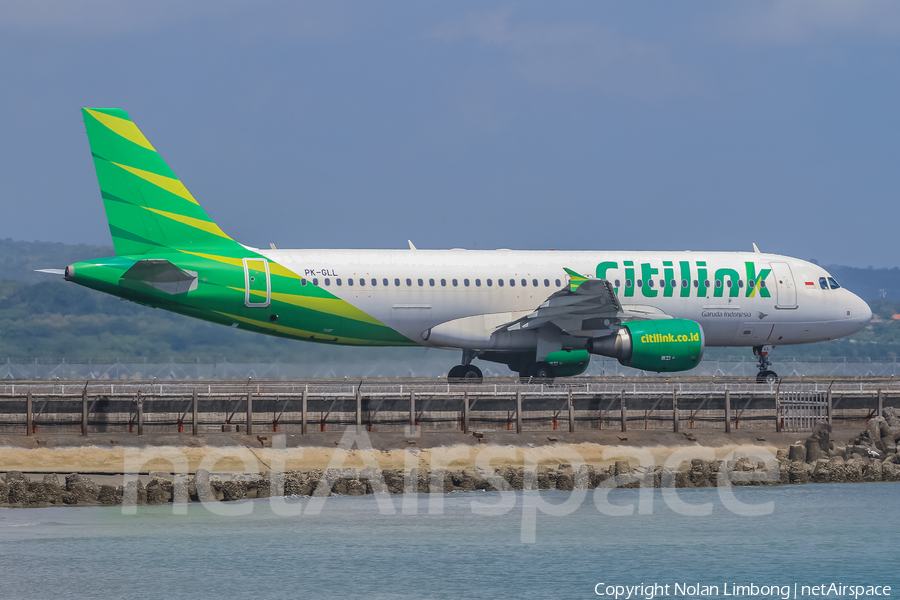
(308,406)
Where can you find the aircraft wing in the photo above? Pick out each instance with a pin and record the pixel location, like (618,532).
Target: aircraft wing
(584,307)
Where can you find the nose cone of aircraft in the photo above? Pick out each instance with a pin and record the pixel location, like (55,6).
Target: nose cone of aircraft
(862,314)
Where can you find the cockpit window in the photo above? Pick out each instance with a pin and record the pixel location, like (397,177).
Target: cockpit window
(834,284)
(823,283)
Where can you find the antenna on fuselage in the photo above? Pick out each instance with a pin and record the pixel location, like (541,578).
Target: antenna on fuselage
(411,245)
(755,249)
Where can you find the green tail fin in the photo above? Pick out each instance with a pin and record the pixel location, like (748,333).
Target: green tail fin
(148,208)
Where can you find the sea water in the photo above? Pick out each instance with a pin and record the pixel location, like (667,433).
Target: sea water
(531,544)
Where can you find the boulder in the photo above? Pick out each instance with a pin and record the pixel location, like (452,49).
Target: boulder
(82,488)
(108,495)
(890,471)
(799,473)
(13,476)
(233,490)
(134,493)
(4,492)
(872,470)
(797,453)
(819,443)
(200,488)
(599,475)
(18,492)
(159,491)
(565,478)
(700,473)
(394,480)
(43,493)
(821,471)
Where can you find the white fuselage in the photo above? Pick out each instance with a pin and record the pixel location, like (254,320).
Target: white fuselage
(752,299)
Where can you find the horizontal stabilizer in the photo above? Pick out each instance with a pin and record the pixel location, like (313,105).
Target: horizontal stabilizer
(51,271)
(162,275)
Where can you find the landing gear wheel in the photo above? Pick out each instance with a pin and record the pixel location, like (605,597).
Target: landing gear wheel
(457,372)
(465,373)
(769,377)
(472,374)
(541,370)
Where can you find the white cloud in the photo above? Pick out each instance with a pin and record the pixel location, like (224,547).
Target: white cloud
(794,22)
(574,55)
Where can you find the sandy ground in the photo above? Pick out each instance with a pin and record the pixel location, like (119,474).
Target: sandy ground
(113,454)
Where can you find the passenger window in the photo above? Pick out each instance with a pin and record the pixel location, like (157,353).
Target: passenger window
(303,282)
(477,283)
(349,282)
(740,283)
(499,282)
(617,283)
(431,282)
(750,283)
(706,283)
(627,283)
(534,282)
(512,283)
(546,283)
(684,283)
(443,283)
(396,282)
(315,281)
(327,281)
(640,283)
(420,282)
(662,283)
(384,282)
(524,283)
(408,282)
(696,283)
(338,281)
(823,283)
(718,283)
(374,282)
(466,282)
(834,284)
(762,283)
(649,282)
(728,283)
(490,282)
(558,283)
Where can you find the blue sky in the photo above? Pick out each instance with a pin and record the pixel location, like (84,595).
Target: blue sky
(533,125)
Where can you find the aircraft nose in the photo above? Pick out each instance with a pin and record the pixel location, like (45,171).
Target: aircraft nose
(863,312)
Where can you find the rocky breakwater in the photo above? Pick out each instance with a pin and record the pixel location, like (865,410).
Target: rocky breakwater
(871,456)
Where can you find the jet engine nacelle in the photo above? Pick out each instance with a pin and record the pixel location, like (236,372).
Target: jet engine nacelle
(663,345)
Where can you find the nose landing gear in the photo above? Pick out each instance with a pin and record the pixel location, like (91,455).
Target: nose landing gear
(466,371)
(765,375)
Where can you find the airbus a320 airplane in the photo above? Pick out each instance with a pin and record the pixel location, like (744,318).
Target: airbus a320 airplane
(540,313)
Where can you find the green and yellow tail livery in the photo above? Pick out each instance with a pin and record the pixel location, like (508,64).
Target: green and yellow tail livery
(148,208)
(171,255)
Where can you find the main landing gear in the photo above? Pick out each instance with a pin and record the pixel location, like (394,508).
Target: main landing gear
(762,355)
(466,371)
(541,371)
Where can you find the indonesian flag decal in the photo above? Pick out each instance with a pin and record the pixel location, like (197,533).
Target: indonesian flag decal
(810,284)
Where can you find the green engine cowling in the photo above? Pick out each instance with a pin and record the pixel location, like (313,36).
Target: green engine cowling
(664,345)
